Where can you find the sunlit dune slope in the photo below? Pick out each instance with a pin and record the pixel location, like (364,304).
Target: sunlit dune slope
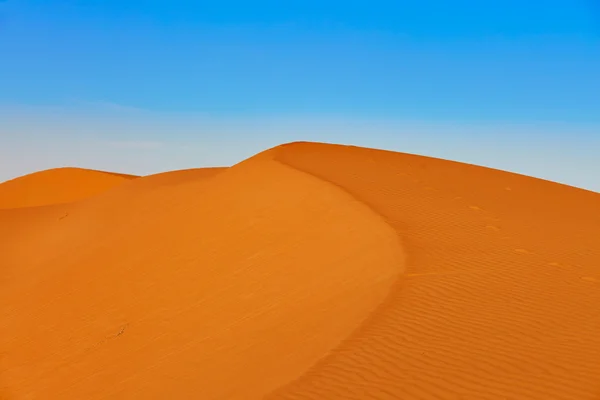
(54,186)
(501,297)
(227,286)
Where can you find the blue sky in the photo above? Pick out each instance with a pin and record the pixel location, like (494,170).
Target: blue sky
(147,86)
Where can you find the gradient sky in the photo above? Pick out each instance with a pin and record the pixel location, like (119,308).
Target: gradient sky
(147,86)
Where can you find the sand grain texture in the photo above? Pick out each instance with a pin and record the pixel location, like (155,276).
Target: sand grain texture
(310,271)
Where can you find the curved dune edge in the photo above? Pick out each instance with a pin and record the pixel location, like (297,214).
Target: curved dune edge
(501,297)
(262,265)
(56,186)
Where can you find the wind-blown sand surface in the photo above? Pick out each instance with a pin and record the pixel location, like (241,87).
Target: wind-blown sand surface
(309,271)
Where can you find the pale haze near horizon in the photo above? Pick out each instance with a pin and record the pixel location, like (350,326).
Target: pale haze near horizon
(106,137)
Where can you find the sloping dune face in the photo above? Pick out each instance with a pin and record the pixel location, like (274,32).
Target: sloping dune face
(56,229)
(55,186)
(226,287)
(501,296)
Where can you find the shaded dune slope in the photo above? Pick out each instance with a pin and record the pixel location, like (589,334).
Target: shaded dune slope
(226,287)
(54,186)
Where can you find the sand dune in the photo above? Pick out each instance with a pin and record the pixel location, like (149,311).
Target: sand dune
(58,228)
(309,271)
(54,186)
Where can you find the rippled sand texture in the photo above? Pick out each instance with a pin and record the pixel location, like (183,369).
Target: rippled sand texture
(309,271)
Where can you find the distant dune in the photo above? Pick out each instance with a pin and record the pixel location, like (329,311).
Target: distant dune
(54,186)
(309,271)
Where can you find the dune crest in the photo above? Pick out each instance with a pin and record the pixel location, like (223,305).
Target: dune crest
(222,289)
(55,186)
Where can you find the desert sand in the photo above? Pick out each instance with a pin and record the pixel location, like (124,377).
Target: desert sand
(54,186)
(309,271)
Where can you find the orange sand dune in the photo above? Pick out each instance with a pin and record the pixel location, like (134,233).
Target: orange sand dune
(202,283)
(84,219)
(309,271)
(54,186)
